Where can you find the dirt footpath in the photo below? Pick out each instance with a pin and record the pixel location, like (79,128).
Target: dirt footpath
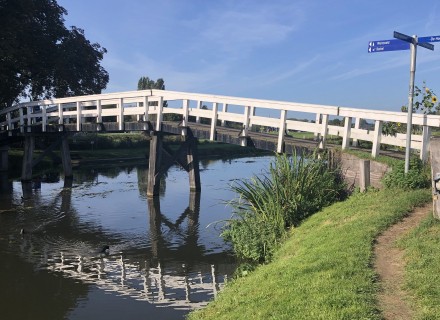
(389,265)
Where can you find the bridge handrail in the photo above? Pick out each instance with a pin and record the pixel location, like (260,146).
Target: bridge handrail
(137,103)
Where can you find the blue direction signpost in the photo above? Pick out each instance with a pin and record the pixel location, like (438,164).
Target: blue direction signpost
(405,42)
(387,45)
(429,39)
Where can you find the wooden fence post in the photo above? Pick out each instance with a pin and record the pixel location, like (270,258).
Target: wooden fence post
(364,177)
(435,170)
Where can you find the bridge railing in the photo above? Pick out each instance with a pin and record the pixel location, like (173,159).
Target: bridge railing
(121,108)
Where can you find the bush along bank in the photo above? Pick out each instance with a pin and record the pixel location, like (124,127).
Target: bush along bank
(267,206)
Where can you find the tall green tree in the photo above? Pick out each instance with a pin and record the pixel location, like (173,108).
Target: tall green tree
(146,83)
(41,58)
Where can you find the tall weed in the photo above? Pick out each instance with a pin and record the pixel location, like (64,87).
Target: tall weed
(292,189)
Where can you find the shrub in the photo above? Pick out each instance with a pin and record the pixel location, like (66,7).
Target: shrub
(418,176)
(293,188)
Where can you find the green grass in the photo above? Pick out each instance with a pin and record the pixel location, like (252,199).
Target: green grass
(422,254)
(324,270)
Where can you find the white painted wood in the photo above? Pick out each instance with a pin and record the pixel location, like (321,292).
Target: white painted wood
(346,135)
(21,120)
(213,121)
(78,116)
(225,110)
(127,103)
(159,114)
(185,115)
(44,118)
(146,108)
(99,111)
(324,128)
(376,138)
(281,131)
(199,107)
(120,116)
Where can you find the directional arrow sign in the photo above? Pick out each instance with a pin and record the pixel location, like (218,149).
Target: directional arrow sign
(387,45)
(403,37)
(426,45)
(429,39)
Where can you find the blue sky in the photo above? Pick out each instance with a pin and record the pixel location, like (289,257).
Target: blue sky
(299,51)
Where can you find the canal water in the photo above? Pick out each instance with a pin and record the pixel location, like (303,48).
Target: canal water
(164,256)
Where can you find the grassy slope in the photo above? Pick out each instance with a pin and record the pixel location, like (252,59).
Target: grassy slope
(324,270)
(422,253)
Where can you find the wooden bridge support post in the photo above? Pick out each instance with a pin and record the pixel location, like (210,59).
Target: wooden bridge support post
(26,171)
(4,158)
(154,165)
(376,138)
(193,164)
(65,158)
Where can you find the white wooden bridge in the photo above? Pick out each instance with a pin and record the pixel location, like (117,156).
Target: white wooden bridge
(214,117)
(127,111)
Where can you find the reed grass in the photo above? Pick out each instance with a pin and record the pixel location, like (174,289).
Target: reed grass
(266,206)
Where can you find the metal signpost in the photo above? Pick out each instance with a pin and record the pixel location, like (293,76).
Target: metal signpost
(405,42)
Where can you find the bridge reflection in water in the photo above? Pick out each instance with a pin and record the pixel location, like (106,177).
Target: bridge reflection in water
(188,280)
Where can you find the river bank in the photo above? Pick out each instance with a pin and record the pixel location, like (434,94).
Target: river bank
(324,270)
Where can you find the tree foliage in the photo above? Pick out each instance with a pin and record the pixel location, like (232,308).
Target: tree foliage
(41,58)
(145,83)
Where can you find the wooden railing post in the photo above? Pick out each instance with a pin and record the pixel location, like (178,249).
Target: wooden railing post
(121,114)
(281,131)
(29,119)
(159,114)
(347,133)
(60,114)
(376,138)
(99,111)
(317,121)
(146,108)
(246,120)
(357,125)
(324,129)
(43,118)
(185,117)
(213,121)
(78,116)
(9,121)
(225,109)
(21,120)
(199,106)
